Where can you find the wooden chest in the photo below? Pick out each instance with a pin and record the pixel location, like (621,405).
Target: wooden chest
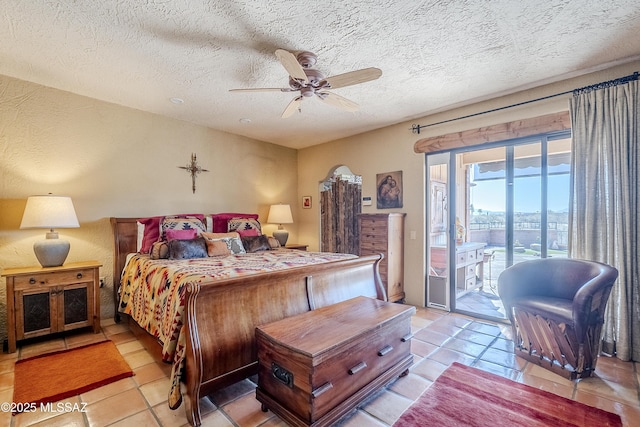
(315,367)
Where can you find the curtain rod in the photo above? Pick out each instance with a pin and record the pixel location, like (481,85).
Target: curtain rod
(601,85)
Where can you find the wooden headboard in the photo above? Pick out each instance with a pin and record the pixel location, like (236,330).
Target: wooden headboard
(125,237)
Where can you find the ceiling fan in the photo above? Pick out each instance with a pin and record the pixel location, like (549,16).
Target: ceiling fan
(309,82)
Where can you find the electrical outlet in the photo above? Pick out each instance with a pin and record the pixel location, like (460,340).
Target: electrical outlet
(102,281)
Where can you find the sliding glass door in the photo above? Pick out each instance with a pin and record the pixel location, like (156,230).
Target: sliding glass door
(508,203)
(438,232)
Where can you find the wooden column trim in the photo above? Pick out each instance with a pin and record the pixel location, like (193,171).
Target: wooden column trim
(500,132)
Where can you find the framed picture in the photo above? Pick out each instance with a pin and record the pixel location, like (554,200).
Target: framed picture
(306,202)
(389,190)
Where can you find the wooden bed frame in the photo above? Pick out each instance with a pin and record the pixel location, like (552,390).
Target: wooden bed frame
(221,315)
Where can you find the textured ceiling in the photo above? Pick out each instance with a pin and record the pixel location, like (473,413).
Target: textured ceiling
(433,54)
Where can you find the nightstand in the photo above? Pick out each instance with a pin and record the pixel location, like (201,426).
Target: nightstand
(43,301)
(296,246)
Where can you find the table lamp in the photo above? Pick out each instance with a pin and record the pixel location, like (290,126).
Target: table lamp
(280,214)
(50,212)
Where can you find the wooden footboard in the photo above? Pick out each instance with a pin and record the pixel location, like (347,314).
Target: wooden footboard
(221,316)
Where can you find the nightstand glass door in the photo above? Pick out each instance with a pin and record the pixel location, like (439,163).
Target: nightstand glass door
(34,309)
(76,305)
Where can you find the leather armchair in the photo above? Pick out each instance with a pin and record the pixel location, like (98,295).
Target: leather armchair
(556,308)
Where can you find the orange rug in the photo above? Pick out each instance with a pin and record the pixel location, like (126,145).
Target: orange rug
(55,376)
(465,396)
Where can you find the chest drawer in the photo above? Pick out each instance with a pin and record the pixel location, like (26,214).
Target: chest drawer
(373,231)
(57,278)
(313,362)
(373,246)
(374,224)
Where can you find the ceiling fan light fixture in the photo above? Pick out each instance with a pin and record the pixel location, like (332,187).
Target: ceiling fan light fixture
(307,91)
(309,81)
(307,59)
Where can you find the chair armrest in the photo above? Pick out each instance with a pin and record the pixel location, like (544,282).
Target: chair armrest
(591,299)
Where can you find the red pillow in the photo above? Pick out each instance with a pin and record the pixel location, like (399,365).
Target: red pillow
(181,234)
(250,232)
(220,220)
(151,232)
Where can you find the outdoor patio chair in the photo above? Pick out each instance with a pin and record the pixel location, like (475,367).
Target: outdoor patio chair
(556,308)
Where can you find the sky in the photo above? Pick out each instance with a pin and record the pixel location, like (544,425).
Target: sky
(490,195)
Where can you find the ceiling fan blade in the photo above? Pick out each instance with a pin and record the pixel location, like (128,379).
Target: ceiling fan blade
(293,106)
(290,63)
(263,89)
(353,77)
(338,101)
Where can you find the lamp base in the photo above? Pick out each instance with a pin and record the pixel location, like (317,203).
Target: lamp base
(281,236)
(51,252)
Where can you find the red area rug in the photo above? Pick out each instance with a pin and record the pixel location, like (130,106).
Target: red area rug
(465,396)
(55,376)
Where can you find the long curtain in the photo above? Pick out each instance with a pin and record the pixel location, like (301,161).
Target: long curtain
(603,219)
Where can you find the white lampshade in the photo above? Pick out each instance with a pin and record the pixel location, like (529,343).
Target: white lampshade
(50,212)
(280,214)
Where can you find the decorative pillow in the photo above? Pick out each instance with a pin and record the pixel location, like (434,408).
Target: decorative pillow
(159,250)
(217,247)
(189,233)
(248,233)
(246,224)
(273,242)
(187,222)
(151,232)
(187,249)
(219,221)
(255,243)
(208,222)
(232,240)
(216,236)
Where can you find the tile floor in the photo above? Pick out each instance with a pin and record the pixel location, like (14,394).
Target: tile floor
(439,339)
(481,304)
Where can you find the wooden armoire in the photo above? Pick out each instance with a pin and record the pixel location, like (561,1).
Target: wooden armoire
(384,233)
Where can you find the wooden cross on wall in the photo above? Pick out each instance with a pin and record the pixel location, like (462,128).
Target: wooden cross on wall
(194,170)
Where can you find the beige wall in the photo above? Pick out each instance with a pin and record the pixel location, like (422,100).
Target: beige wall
(391,149)
(116,161)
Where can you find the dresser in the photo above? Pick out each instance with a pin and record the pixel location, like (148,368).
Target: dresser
(47,300)
(469,265)
(315,367)
(384,233)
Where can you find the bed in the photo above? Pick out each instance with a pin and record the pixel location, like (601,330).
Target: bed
(214,336)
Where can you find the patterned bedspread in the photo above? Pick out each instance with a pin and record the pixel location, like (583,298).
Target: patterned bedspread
(152,291)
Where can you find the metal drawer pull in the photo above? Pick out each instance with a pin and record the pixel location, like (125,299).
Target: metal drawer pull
(79,275)
(360,366)
(32,281)
(282,375)
(406,337)
(384,350)
(324,387)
